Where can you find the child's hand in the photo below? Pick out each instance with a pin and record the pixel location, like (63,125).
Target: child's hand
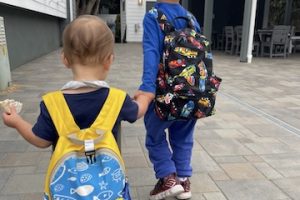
(147,94)
(143,100)
(10,117)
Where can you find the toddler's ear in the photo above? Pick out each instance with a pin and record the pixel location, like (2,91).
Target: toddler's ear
(64,60)
(108,62)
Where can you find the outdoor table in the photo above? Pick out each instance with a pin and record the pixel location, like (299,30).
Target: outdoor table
(264,34)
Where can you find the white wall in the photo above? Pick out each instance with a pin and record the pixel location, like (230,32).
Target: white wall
(134,18)
(56,8)
(5,76)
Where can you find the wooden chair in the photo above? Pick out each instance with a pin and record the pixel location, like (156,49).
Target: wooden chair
(229,39)
(292,44)
(238,39)
(278,45)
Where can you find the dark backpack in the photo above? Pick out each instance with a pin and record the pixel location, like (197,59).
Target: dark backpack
(186,84)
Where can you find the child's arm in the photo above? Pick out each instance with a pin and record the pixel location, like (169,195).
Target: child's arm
(143,99)
(14,120)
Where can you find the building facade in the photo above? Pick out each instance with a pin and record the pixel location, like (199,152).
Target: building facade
(33,27)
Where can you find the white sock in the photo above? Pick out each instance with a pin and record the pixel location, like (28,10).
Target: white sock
(182,179)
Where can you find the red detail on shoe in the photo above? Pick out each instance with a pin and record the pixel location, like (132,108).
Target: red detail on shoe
(187,190)
(186,185)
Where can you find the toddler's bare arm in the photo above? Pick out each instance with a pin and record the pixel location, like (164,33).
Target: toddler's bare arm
(14,120)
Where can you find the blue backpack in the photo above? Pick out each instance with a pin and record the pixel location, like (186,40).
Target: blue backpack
(86,163)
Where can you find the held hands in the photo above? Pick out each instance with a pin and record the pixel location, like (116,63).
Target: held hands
(143,99)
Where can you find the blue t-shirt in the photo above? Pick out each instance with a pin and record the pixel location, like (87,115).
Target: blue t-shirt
(153,38)
(84,107)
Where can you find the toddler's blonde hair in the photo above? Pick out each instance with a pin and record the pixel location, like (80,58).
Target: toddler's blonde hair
(87,41)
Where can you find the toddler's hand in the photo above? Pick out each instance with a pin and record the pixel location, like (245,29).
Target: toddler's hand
(147,94)
(11,118)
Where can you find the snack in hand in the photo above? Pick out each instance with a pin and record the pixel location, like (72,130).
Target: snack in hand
(7,103)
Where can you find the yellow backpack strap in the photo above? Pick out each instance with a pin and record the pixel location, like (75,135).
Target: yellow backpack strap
(60,113)
(110,110)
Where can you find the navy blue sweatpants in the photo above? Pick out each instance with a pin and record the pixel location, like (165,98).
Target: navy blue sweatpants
(177,157)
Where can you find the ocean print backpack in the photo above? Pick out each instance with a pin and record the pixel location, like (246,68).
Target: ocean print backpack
(186,83)
(86,163)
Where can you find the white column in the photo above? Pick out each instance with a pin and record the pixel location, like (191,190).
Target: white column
(5,76)
(71,10)
(266,13)
(208,17)
(248,31)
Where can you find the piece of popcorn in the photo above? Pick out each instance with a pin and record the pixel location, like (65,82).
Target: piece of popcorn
(7,103)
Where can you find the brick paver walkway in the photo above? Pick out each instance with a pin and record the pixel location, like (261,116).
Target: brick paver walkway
(250,150)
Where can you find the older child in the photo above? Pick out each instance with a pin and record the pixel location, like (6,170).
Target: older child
(88,51)
(172,167)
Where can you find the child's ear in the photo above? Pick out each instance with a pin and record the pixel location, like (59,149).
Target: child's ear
(108,62)
(64,60)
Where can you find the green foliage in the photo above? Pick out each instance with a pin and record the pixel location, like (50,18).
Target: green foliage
(276,14)
(296,15)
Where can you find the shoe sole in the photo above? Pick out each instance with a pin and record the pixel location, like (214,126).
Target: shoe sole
(174,191)
(184,195)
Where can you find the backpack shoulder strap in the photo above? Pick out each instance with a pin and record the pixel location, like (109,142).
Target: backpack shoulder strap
(162,20)
(110,110)
(60,113)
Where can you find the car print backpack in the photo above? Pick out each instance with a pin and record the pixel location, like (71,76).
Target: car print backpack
(86,163)
(186,83)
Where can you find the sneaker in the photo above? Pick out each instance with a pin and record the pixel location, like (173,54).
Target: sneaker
(166,187)
(187,194)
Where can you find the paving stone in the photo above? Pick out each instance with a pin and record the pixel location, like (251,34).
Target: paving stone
(292,141)
(241,171)
(253,158)
(10,197)
(9,134)
(32,196)
(250,190)
(267,170)
(229,133)
(19,184)
(214,196)
(13,146)
(268,130)
(224,147)
(262,147)
(202,162)
(143,192)
(24,170)
(201,183)
(289,186)
(20,159)
(135,161)
(141,177)
(230,159)
(219,175)
(286,164)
